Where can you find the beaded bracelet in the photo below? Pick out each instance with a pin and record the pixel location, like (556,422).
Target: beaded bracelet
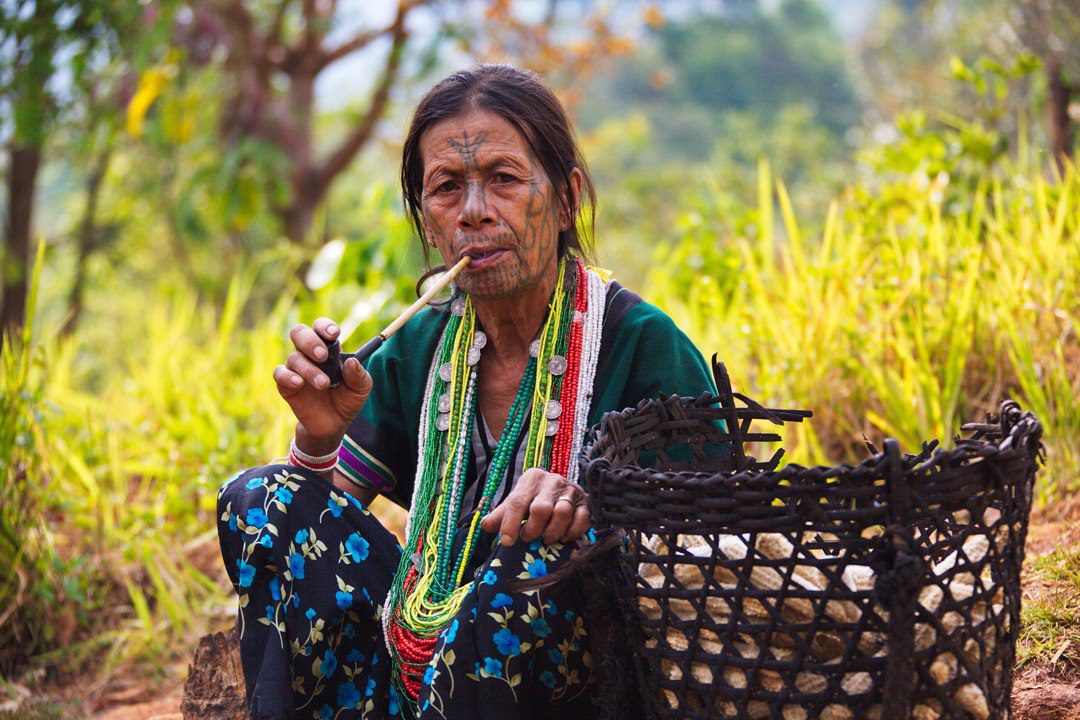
(301,459)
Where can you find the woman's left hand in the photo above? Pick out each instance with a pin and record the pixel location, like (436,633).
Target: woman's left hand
(549,504)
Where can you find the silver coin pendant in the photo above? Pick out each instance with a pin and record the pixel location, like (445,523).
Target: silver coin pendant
(557,365)
(553,409)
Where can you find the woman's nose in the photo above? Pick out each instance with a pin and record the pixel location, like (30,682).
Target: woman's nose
(476,211)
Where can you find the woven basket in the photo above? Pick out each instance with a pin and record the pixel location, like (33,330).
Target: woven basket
(889,589)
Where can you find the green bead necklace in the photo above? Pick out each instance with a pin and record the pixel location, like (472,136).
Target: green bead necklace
(429,586)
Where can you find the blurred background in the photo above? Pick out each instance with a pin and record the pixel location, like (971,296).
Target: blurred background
(866,208)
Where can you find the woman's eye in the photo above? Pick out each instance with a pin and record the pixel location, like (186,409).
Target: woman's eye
(503,178)
(447,186)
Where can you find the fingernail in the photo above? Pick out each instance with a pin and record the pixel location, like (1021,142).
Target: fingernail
(332,329)
(297,380)
(320,353)
(322,380)
(506,541)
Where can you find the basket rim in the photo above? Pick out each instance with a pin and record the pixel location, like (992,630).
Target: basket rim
(1014,427)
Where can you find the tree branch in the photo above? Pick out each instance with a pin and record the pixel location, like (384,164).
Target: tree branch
(356,42)
(310,37)
(274,38)
(365,37)
(237,17)
(351,145)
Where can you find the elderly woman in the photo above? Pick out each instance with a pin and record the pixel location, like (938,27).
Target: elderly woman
(472,416)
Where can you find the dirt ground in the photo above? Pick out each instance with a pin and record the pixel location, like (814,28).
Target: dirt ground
(1039,693)
(1050,688)
(1042,693)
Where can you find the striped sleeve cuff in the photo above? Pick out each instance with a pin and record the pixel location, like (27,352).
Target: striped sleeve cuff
(362,468)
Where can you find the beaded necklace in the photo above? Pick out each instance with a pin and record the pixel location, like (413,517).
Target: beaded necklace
(428,588)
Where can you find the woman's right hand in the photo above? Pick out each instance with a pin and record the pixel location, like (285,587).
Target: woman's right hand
(323,415)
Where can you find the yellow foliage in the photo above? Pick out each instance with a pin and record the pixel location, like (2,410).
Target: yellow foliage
(894,318)
(151,83)
(654,17)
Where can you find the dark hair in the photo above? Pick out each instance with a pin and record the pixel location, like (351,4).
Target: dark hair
(523,99)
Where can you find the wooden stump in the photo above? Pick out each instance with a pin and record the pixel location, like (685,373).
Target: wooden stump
(215,685)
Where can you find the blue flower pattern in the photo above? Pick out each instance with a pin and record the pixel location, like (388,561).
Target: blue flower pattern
(256,518)
(357,547)
(276,526)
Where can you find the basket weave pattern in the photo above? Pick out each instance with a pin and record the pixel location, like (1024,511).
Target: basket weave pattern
(889,589)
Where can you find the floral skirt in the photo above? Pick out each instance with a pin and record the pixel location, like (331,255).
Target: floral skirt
(312,568)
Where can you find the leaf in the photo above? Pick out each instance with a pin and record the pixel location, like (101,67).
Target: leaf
(151,84)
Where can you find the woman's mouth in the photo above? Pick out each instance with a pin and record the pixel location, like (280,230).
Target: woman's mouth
(482,258)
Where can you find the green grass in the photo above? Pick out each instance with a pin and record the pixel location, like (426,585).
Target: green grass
(128,443)
(25,577)
(1051,619)
(894,317)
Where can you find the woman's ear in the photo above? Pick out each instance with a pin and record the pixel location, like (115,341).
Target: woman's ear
(567,219)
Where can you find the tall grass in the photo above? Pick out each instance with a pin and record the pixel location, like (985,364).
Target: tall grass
(895,317)
(138,463)
(135,438)
(24,552)
(132,467)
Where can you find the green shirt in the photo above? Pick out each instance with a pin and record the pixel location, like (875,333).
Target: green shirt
(642,354)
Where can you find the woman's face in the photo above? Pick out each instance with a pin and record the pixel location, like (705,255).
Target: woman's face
(487,196)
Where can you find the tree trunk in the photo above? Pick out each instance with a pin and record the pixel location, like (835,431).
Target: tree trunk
(304,188)
(296,220)
(1057,107)
(215,685)
(22,186)
(87,239)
